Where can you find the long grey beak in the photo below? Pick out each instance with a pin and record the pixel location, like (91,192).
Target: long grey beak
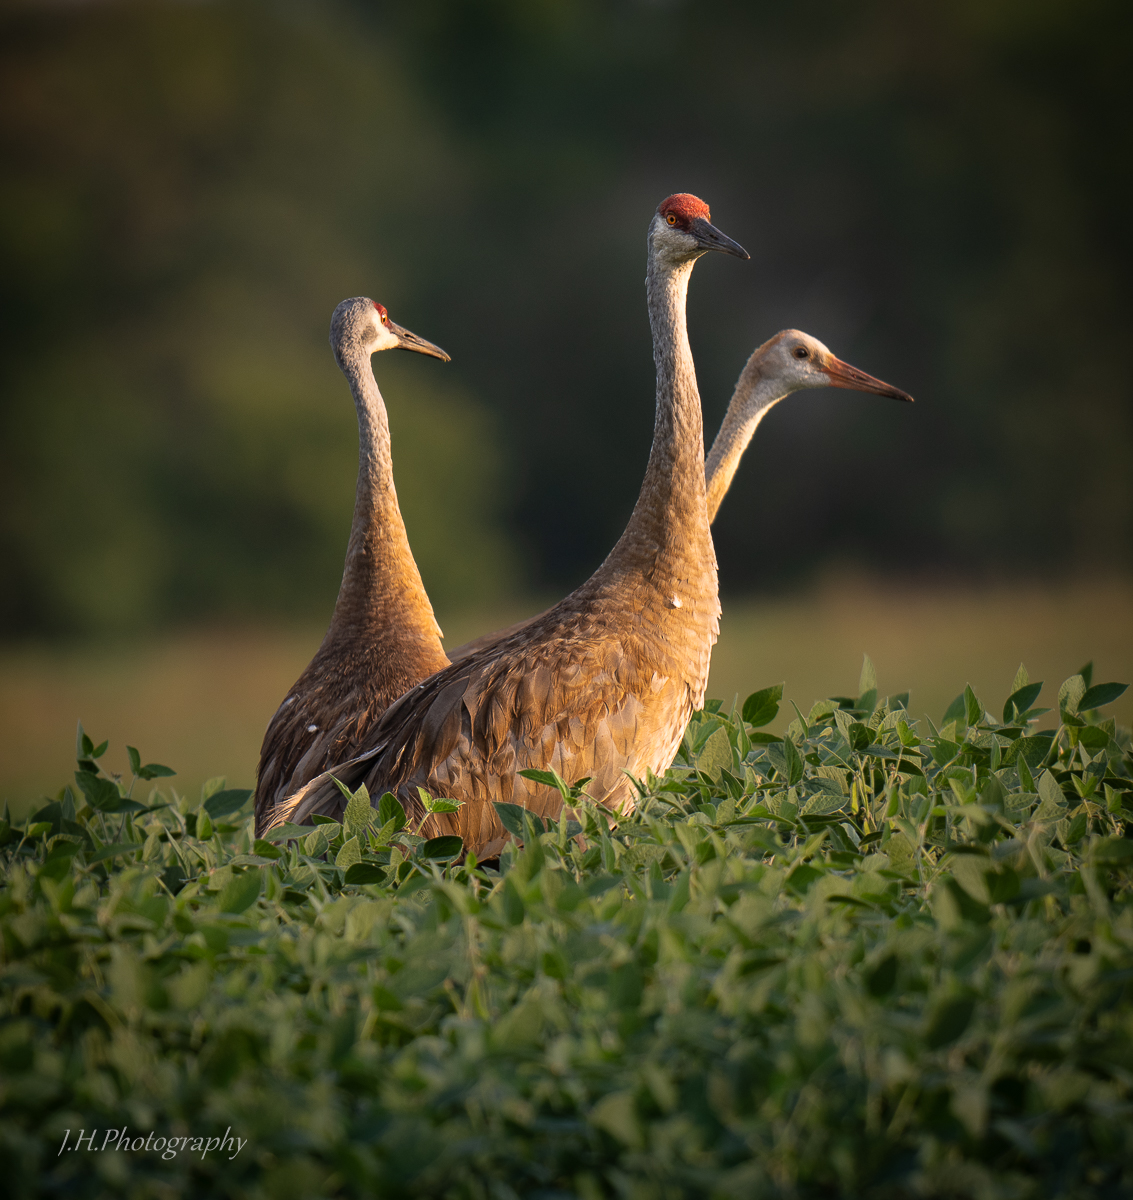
(410,341)
(708,237)
(842,375)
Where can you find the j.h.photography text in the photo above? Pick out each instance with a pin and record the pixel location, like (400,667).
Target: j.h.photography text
(168,1147)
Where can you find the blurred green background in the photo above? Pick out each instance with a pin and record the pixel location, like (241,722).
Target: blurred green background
(938,191)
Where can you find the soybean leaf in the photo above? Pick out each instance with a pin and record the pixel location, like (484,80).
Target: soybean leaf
(1101,694)
(442,804)
(794,762)
(359,812)
(716,754)
(390,809)
(550,778)
(762,707)
(150,770)
(155,771)
(103,795)
(113,851)
(511,817)
(361,873)
(949,1020)
(287,832)
(1020,701)
(241,891)
(867,686)
(439,804)
(350,853)
(224,803)
(446,847)
(1070,694)
(956,711)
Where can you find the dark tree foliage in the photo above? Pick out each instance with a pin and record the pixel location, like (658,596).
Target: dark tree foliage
(936,191)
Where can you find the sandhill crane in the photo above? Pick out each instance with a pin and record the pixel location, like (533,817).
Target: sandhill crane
(383,637)
(604,682)
(789,362)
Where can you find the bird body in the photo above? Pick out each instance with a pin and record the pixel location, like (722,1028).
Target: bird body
(383,637)
(604,682)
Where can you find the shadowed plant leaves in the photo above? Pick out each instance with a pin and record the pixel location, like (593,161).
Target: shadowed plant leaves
(227,802)
(762,707)
(716,754)
(103,794)
(881,979)
(948,1020)
(956,711)
(241,891)
(512,817)
(150,770)
(361,873)
(390,809)
(445,847)
(359,812)
(513,903)
(549,778)
(1101,694)
(1069,696)
(867,686)
(1020,701)
(349,853)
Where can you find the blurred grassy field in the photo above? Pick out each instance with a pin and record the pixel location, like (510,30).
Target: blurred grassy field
(199,701)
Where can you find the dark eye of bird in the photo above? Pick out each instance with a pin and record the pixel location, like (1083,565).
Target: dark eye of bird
(801,352)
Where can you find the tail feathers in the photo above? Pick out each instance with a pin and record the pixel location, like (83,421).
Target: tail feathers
(321,796)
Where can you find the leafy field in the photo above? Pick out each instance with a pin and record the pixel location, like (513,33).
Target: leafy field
(871,958)
(202,699)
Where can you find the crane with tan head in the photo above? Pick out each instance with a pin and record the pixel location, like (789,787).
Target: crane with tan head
(383,637)
(604,682)
(791,361)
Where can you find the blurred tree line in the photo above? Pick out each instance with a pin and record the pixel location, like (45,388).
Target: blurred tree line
(938,191)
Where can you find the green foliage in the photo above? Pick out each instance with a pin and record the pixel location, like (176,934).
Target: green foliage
(865,960)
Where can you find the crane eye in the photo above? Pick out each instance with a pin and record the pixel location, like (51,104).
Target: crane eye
(385,318)
(671,218)
(802,352)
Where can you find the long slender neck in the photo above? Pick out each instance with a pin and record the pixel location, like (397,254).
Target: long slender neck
(382,598)
(751,401)
(667,536)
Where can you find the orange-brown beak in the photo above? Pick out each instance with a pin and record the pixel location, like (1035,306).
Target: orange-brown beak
(842,375)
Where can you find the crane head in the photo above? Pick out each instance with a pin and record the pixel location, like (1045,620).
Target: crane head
(802,361)
(682,232)
(364,325)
